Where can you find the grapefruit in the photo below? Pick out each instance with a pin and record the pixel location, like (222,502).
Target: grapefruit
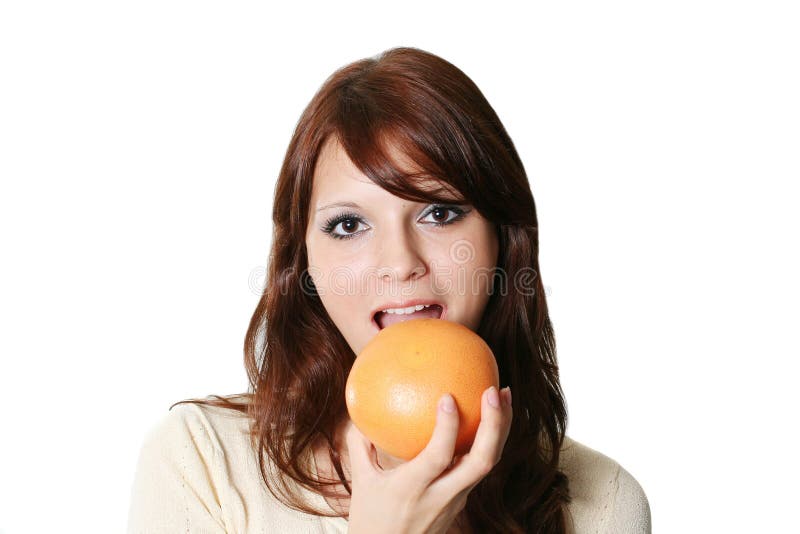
(396,382)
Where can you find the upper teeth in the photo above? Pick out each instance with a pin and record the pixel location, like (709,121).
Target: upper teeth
(410,309)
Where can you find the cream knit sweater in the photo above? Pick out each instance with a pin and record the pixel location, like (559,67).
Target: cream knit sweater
(197,474)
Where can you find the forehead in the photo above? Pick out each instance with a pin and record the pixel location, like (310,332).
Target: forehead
(336,173)
(334,168)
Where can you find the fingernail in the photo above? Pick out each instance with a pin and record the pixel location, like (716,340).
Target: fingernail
(447,404)
(506,391)
(494,400)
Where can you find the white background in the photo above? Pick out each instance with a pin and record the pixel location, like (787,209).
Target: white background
(139,145)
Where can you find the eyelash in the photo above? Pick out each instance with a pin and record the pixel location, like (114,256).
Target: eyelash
(334,221)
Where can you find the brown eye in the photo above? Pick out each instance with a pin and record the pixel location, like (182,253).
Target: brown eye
(349,225)
(440,214)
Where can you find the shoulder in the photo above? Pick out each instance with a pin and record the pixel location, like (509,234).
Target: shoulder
(201,426)
(181,469)
(605,497)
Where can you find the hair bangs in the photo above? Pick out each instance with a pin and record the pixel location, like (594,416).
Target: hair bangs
(392,142)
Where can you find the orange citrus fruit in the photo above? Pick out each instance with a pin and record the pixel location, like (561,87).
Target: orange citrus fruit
(395,384)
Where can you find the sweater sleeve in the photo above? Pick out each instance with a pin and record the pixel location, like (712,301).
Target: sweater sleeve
(176,480)
(630,510)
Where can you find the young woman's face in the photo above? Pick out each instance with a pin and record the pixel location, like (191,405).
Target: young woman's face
(381,251)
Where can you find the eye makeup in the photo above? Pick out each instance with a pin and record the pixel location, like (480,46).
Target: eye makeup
(350,218)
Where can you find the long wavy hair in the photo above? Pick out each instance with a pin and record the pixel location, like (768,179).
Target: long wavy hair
(297,361)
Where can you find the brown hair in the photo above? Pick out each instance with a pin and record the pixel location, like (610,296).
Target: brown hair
(297,360)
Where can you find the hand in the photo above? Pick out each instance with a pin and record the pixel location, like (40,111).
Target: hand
(425,494)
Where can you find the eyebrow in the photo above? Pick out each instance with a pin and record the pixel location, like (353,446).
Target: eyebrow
(339,204)
(354,205)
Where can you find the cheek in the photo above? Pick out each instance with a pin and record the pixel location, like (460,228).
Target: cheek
(343,311)
(473,279)
(324,263)
(342,283)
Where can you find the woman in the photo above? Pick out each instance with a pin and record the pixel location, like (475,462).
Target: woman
(399,185)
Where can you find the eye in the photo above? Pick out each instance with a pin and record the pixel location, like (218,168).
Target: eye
(442,218)
(349,223)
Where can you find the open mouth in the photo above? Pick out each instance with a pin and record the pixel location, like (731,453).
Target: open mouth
(384,319)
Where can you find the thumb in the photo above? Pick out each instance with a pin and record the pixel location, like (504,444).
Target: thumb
(363,457)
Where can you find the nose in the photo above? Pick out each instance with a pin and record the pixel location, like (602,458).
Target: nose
(401,258)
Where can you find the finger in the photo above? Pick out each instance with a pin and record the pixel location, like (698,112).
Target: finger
(487,448)
(492,433)
(363,458)
(438,453)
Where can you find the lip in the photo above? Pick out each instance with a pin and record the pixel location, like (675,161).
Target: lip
(405,304)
